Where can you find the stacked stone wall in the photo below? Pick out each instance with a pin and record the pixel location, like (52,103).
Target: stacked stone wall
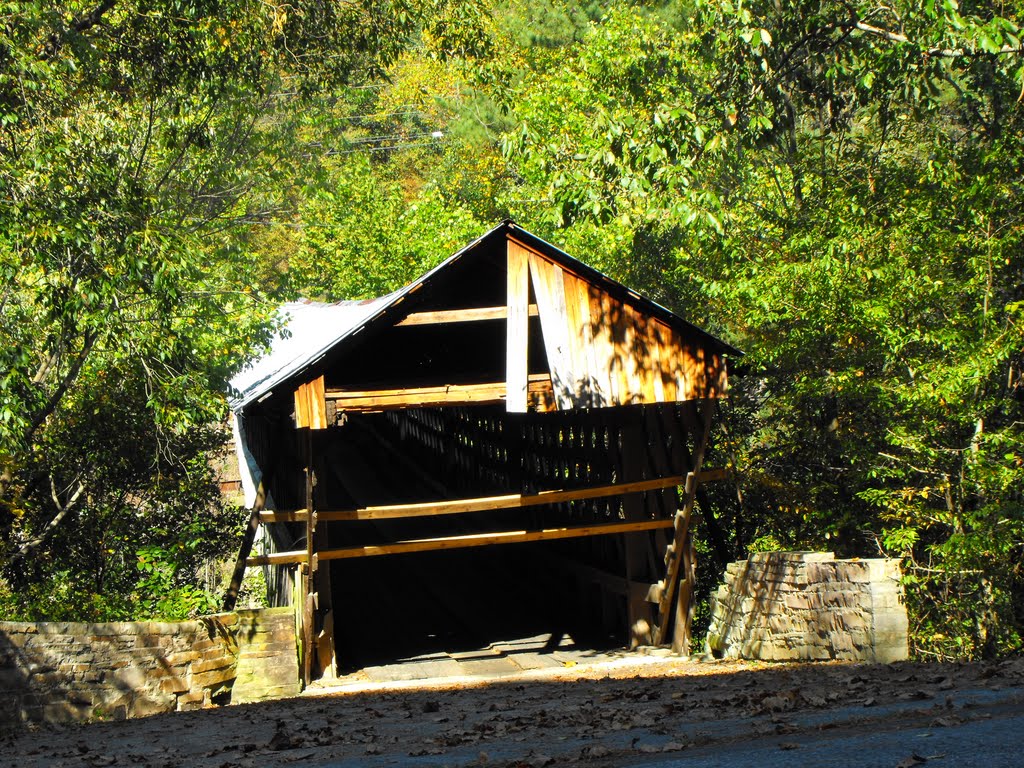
(66,671)
(268,664)
(808,606)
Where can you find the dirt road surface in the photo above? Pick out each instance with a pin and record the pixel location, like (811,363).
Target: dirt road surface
(635,711)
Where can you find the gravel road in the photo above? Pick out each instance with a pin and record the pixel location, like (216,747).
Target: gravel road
(635,711)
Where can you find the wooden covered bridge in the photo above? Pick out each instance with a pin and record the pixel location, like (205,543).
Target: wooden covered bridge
(512,395)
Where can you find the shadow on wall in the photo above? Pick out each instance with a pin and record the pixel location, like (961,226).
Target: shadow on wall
(13,683)
(65,671)
(741,613)
(49,675)
(808,606)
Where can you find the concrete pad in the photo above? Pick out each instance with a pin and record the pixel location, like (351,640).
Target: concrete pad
(496,666)
(413,670)
(532,661)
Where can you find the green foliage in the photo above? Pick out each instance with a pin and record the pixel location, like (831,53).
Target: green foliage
(832,186)
(362,239)
(838,187)
(133,139)
(160,589)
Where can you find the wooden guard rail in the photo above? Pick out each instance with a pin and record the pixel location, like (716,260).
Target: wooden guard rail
(484,504)
(462,506)
(461,542)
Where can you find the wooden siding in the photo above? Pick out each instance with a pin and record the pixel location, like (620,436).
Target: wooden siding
(603,352)
(517,330)
(310,406)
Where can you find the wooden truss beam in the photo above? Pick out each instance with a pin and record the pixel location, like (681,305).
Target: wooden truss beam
(483,504)
(461,542)
(540,394)
(443,316)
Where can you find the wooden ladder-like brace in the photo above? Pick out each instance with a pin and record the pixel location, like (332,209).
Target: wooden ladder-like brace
(676,592)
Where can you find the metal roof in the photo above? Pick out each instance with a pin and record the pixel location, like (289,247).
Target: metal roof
(310,329)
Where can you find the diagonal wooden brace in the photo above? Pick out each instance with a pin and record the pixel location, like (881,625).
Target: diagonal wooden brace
(682,531)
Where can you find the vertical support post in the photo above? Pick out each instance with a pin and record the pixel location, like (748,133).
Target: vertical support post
(517,332)
(309,576)
(634,450)
(680,539)
(325,650)
(681,636)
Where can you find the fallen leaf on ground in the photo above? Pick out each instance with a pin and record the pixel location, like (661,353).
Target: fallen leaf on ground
(425,751)
(910,762)
(281,739)
(916,695)
(647,749)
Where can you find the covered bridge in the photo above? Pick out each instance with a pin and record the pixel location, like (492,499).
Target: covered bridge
(512,395)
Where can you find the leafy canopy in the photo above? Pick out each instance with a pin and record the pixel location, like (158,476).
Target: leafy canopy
(138,142)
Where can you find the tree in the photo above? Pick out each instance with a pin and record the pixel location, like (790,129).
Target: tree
(836,182)
(363,239)
(133,137)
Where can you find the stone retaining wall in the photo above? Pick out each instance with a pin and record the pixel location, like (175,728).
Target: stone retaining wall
(64,671)
(268,663)
(807,606)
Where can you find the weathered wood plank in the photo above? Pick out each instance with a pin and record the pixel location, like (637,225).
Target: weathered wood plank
(579,370)
(310,406)
(549,288)
(623,352)
(539,393)
(473,314)
(665,379)
(317,403)
(483,504)
(462,542)
(652,371)
(595,376)
(517,329)
(635,358)
(607,364)
(711,475)
(301,407)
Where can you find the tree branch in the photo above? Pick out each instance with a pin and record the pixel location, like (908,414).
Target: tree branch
(26,547)
(79,25)
(93,17)
(935,53)
(62,387)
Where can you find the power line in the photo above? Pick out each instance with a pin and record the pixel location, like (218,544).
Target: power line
(333,152)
